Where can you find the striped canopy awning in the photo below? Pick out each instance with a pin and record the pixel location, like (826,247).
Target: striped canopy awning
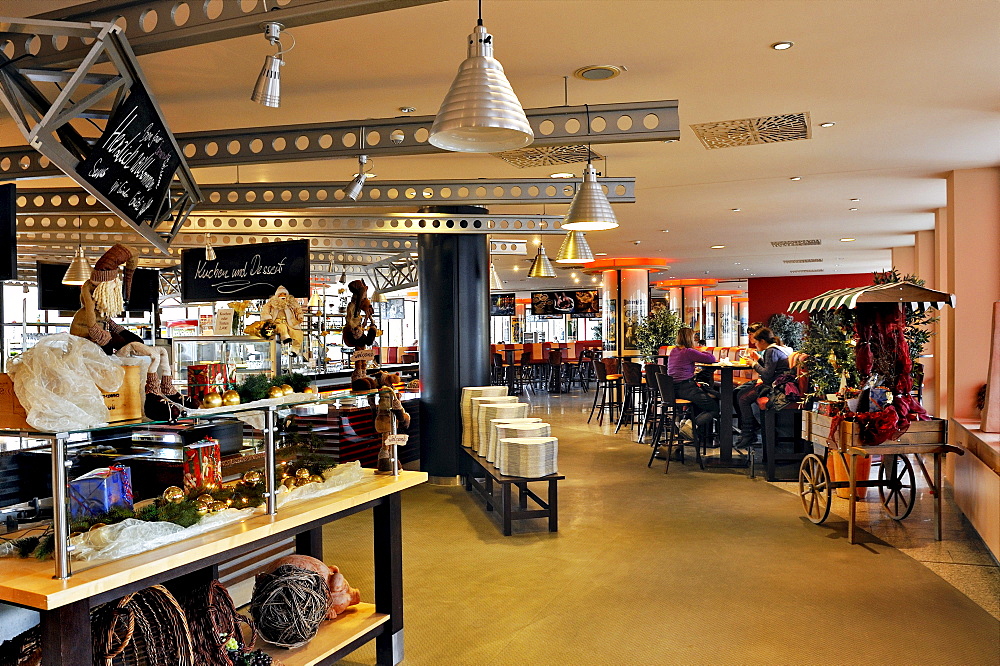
(914,297)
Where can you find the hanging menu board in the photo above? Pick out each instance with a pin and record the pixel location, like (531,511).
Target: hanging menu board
(245,272)
(134,161)
(502,305)
(580,302)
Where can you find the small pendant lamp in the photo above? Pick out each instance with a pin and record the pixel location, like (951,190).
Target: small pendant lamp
(496,284)
(79,270)
(590,210)
(379,297)
(574,249)
(480,113)
(541,267)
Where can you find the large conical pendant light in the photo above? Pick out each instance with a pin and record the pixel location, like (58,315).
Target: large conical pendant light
(541,267)
(590,210)
(79,270)
(574,249)
(496,283)
(481,113)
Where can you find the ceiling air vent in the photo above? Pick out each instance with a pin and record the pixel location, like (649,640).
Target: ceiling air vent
(754,131)
(802,261)
(547,156)
(807,270)
(796,243)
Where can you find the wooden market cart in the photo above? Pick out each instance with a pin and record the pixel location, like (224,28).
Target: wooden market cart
(896,481)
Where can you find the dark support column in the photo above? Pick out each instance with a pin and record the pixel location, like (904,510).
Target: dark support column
(454,345)
(388,543)
(66,635)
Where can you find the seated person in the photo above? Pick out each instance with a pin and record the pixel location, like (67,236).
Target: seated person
(681,368)
(771,361)
(745,394)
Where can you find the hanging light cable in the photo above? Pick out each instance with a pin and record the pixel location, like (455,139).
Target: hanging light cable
(79,269)
(480,113)
(589,210)
(541,267)
(574,249)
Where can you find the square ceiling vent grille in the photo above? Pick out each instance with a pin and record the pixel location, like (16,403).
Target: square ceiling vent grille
(808,270)
(796,243)
(754,131)
(802,261)
(547,156)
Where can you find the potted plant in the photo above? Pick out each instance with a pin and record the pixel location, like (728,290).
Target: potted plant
(655,331)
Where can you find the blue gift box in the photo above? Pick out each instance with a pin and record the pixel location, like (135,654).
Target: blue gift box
(97,491)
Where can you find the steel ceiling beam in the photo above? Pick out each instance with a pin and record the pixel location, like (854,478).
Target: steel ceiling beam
(162,25)
(396,272)
(383,194)
(388,137)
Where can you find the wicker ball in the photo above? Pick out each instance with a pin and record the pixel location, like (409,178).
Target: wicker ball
(288,605)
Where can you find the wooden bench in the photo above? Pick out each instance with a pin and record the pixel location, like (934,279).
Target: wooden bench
(549,507)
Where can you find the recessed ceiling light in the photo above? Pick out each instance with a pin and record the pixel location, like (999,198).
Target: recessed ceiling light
(516,268)
(852,209)
(665,231)
(855,199)
(827,124)
(600,254)
(537,241)
(782,46)
(848,240)
(599,72)
(717,247)
(572,274)
(736,210)
(670,140)
(593,279)
(752,274)
(407,109)
(795,178)
(737,263)
(562,174)
(577,280)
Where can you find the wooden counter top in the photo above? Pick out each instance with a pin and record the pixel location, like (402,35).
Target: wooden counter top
(29,582)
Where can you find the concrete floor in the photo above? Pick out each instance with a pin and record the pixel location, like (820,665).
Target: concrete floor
(688,568)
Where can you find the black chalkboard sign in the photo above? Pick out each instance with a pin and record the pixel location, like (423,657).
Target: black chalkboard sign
(245,272)
(8,232)
(134,161)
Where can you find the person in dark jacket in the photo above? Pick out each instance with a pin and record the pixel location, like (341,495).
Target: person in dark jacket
(771,360)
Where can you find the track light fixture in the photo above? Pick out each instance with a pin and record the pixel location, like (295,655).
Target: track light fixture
(353,189)
(480,113)
(267,90)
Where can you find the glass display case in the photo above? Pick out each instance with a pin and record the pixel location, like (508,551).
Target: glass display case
(244,354)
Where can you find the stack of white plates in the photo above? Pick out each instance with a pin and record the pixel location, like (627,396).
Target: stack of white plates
(477,404)
(491,445)
(468,393)
(511,430)
(530,457)
(488,412)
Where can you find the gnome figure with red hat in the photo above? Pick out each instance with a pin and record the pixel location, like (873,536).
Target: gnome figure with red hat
(103,297)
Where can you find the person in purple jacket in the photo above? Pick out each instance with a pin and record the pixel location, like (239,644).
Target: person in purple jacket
(681,368)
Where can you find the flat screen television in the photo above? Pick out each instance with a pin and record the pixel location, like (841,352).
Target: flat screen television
(54,295)
(8,232)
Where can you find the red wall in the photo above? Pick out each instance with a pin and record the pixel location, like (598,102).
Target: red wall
(771,295)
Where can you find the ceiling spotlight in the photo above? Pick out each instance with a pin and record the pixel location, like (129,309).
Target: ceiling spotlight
(541,267)
(600,254)
(848,240)
(855,199)
(407,109)
(736,210)
(671,140)
(480,113)
(827,124)
(665,231)
(590,210)
(562,174)
(716,247)
(574,249)
(852,209)
(795,178)
(353,189)
(267,90)
(782,46)
(209,250)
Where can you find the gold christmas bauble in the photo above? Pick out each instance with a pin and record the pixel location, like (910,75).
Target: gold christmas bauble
(252,477)
(206,498)
(303,473)
(275,392)
(309,389)
(173,495)
(212,399)
(96,526)
(73,535)
(316,478)
(287,389)
(230,398)
(288,482)
(201,507)
(215,507)
(301,481)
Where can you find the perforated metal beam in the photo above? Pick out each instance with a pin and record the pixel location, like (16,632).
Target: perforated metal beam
(387,137)
(295,196)
(162,25)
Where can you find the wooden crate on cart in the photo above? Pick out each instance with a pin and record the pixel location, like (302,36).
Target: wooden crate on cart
(816,429)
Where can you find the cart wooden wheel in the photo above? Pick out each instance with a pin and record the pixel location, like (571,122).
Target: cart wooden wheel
(897,486)
(814,488)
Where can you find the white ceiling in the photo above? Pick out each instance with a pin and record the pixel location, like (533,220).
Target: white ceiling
(912,85)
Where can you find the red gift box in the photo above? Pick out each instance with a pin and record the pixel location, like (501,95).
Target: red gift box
(205,378)
(202,466)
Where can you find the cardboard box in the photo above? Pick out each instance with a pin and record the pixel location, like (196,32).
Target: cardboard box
(125,404)
(99,490)
(202,465)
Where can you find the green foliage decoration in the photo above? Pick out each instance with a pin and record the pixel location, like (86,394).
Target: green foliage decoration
(655,331)
(788,329)
(829,347)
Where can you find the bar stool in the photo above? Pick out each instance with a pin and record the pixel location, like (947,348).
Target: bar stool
(605,393)
(555,370)
(634,399)
(652,398)
(671,407)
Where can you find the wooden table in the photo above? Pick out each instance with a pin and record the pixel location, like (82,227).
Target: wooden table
(548,508)
(65,603)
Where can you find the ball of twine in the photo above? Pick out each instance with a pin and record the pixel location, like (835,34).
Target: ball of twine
(288,605)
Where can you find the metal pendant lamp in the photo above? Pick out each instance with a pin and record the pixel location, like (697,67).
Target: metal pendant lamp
(574,249)
(496,283)
(541,267)
(379,297)
(590,210)
(79,270)
(481,113)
